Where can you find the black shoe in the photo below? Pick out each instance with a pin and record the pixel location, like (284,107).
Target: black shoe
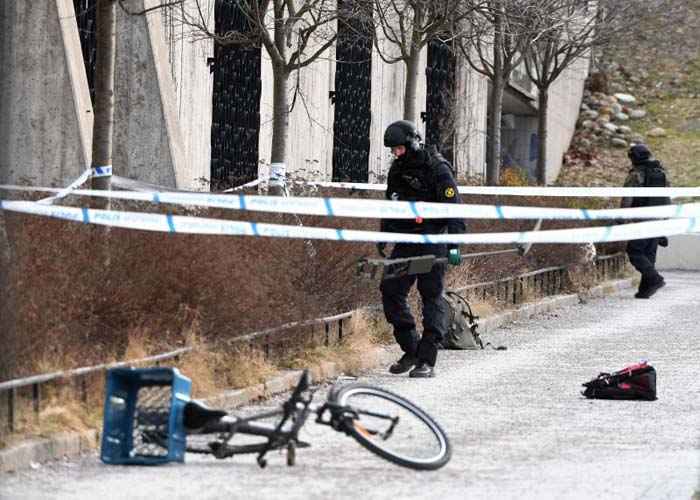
(650,289)
(405,363)
(422,370)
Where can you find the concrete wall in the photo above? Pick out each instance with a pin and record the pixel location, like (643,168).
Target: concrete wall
(311,122)
(164,96)
(162,93)
(565,97)
(388,83)
(472,110)
(193,82)
(45,110)
(310,144)
(152,119)
(683,252)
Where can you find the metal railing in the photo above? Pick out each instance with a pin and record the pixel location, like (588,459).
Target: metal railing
(518,289)
(327,331)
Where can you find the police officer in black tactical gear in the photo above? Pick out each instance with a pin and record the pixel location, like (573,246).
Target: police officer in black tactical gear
(645,172)
(418,174)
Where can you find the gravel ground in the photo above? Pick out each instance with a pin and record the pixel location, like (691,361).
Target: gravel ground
(518,425)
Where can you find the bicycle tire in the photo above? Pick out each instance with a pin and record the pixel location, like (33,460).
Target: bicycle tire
(358,431)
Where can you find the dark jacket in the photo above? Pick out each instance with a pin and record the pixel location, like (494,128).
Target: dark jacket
(640,175)
(422,175)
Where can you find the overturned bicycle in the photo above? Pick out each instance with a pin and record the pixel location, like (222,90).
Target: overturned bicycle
(150,419)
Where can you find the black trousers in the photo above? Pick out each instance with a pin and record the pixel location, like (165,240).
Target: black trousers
(430,286)
(642,255)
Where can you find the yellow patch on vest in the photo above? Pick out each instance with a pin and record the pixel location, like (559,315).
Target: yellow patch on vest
(449,192)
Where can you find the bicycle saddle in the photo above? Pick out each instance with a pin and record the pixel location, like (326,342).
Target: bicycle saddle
(198,415)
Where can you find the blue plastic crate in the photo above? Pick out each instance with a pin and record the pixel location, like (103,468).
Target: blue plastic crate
(143,416)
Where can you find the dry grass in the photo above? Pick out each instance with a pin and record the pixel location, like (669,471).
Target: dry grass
(367,331)
(211,369)
(62,410)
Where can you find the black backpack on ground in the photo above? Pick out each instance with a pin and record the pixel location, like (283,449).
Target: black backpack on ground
(462,333)
(632,382)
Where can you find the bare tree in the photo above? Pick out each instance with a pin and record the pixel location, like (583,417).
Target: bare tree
(294,34)
(106,41)
(404,27)
(571,29)
(498,37)
(103,124)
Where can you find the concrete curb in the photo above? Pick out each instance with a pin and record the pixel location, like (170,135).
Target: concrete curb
(38,451)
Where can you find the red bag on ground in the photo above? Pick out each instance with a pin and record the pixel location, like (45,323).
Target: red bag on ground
(633,382)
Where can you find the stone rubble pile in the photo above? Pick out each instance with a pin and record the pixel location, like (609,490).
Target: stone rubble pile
(608,118)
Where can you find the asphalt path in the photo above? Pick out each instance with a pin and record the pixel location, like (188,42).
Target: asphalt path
(517,422)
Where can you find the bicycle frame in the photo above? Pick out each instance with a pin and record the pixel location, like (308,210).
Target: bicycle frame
(151,419)
(298,409)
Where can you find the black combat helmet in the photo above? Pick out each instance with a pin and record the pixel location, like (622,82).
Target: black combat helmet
(639,153)
(402,133)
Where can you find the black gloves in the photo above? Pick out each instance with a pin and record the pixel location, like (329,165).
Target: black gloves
(663,241)
(380,248)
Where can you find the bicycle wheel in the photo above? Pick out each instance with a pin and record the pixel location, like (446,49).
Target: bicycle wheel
(393,428)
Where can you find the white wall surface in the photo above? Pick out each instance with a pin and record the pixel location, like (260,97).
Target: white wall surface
(193,83)
(565,96)
(310,142)
(472,109)
(683,252)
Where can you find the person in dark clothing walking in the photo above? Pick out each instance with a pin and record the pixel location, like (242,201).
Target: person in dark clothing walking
(645,172)
(418,174)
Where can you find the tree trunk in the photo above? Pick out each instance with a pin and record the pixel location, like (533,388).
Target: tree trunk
(104,91)
(543,100)
(409,102)
(493,166)
(280,105)
(280,129)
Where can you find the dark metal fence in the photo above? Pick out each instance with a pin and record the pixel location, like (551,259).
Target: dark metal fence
(86,17)
(541,283)
(322,331)
(235,127)
(352,98)
(438,116)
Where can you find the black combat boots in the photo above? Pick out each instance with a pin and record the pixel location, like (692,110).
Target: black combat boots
(405,363)
(649,287)
(422,370)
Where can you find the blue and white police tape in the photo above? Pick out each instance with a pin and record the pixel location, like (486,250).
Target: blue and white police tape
(103,171)
(200,225)
(574,192)
(62,193)
(364,208)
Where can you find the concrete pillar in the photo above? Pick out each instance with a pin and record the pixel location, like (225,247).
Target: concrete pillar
(189,69)
(45,110)
(163,95)
(149,134)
